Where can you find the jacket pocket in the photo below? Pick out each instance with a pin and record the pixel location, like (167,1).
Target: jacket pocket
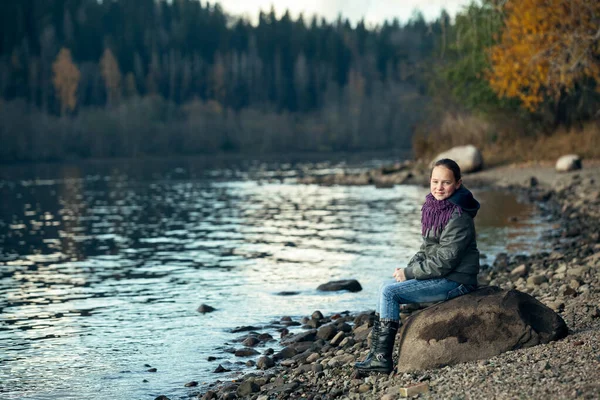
(459,291)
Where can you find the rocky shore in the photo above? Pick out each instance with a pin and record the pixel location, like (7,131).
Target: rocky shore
(317,362)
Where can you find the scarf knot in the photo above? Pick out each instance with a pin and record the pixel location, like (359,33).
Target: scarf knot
(435,214)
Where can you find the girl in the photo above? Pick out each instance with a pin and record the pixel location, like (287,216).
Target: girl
(446,266)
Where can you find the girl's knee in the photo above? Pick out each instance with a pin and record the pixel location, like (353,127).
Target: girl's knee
(387,292)
(385,285)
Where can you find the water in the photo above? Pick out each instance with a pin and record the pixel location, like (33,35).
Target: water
(103,266)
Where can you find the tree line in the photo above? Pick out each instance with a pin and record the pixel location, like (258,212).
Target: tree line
(89,78)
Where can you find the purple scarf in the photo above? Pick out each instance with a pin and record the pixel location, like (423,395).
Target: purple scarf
(435,214)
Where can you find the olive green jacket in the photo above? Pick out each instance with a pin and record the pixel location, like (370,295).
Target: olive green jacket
(453,253)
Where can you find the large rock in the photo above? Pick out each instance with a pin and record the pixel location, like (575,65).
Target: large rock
(570,162)
(351,285)
(468,158)
(476,326)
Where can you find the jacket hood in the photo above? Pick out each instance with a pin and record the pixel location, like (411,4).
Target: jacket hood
(465,200)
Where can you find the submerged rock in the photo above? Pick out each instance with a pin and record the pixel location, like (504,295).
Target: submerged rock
(476,326)
(205,308)
(350,285)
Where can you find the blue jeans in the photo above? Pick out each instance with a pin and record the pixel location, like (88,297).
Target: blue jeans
(392,294)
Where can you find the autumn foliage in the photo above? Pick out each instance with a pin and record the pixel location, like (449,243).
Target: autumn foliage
(109,68)
(546,49)
(65,79)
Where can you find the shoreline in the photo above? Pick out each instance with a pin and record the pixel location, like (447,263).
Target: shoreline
(317,363)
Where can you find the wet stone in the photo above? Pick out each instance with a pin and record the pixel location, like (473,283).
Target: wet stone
(246,388)
(316,315)
(251,341)
(246,352)
(265,362)
(327,332)
(220,369)
(286,352)
(205,308)
(351,285)
(244,329)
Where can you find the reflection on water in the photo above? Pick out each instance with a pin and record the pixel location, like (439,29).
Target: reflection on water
(101,274)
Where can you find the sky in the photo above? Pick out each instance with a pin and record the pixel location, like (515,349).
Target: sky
(374,12)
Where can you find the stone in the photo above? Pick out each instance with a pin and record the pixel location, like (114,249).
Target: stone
(220,369)
(244,329)
(361,332)
(337,338)
(536,280)
(286,352)
(308,336)
(567,163)
(251,341)
(577,272)
(557,305)
(351,285)
(316,315)
(246,388)
(191,384)
(205,308)
(314,323)
(501,261)
(327,332)
(475,326)
(519,271)
(265,362)
(245,352)
(317,368)
(413,390)
(468,158)
(364,388)
(209,395)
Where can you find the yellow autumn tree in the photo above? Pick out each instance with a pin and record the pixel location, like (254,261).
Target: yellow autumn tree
(546,47)
(66,77)
(109,68)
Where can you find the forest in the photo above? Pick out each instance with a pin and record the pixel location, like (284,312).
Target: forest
(126,78)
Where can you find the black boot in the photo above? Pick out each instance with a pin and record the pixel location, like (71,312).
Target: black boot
(382,361)
(374,338)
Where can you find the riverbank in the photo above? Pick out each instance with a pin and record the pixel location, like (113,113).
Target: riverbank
(318,362)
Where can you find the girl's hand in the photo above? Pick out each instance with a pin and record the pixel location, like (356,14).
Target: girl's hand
(399,275)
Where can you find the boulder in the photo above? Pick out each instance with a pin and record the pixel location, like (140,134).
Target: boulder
(569,162)
(350,285)
(476,326)
(468,158)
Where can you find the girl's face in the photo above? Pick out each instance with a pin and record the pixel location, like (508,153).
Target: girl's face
(442,183)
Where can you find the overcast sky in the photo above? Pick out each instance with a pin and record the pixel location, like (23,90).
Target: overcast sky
(373,11)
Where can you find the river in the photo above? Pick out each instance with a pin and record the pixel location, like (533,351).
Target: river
(103,265)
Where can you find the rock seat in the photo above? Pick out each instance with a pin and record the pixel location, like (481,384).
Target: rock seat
(476,326)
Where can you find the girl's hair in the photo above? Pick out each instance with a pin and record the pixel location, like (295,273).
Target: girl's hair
(450,164)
